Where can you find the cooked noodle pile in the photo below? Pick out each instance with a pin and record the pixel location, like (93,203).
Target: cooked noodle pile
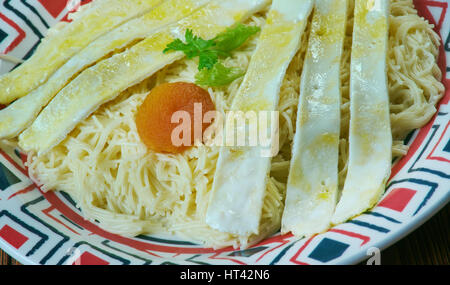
(129,190)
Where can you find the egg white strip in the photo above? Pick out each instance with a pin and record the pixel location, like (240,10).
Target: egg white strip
(370,132)
(240,180)
(20,114)
(10,58)
(107,79)
(313,177)
(101,17)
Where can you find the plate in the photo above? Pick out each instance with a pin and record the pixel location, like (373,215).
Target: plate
(47,228)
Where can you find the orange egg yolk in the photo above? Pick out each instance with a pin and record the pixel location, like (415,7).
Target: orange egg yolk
(154,117)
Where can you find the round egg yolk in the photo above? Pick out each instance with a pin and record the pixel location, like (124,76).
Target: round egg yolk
(154,116)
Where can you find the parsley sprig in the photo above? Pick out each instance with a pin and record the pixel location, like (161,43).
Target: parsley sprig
(211,71)
(195,47)
(217,76)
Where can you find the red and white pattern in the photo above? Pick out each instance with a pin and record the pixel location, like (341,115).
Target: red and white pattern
(47,228)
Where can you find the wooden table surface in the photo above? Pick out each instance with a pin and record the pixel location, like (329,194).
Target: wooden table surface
(428,245)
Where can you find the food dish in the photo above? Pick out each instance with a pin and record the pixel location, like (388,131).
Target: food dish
(119,108)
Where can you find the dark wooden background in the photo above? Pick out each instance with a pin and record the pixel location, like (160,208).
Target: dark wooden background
(428,245)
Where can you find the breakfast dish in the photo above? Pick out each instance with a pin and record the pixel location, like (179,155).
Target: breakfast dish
(349,81)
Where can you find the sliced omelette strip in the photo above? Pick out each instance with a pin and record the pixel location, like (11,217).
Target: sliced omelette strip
(101,17)
(313,177)
(370,133)
(240,181)
(20,114)
(106,80)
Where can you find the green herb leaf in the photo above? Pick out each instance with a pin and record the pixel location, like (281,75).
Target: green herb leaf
(194,46)
(211,72)
(207,59)
(233,38)
(218,75)
(197,42)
